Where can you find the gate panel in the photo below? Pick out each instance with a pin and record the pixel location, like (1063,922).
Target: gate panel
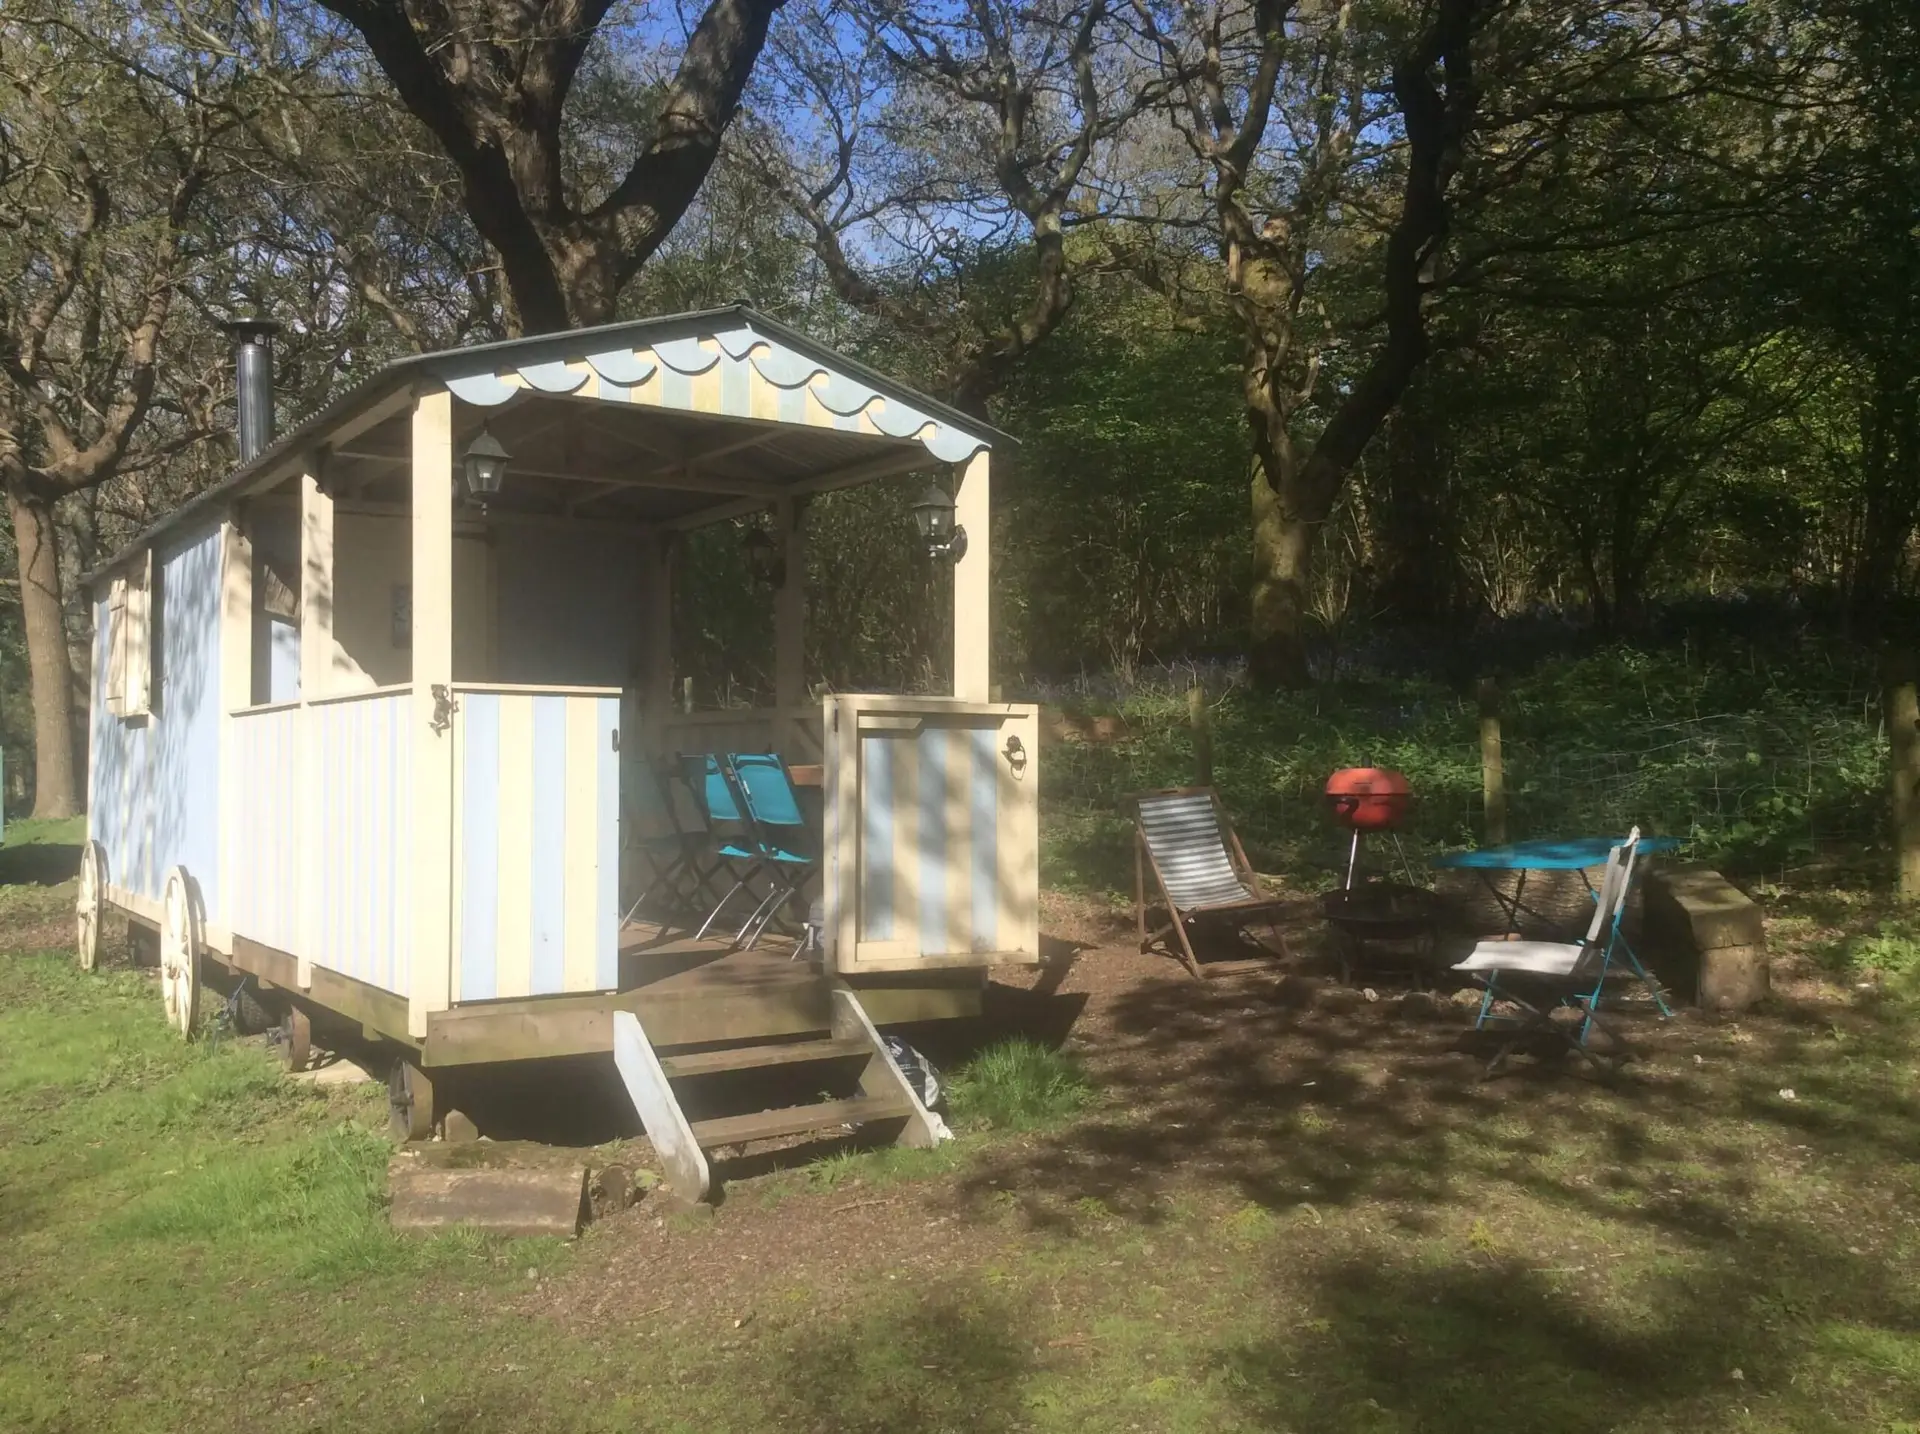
(932,833)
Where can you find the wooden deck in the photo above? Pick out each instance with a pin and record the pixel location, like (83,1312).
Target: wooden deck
(667,959)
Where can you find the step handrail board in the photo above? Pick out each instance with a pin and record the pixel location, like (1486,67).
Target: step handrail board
(652,1096)
(680,1065)
(796,1120)
(882,1077)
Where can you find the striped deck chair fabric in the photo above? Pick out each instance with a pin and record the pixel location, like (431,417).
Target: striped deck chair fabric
(1185,840)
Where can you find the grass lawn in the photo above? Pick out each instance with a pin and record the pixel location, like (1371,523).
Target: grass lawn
(1280,1210)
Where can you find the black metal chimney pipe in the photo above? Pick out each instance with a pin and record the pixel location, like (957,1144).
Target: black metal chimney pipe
(253,383)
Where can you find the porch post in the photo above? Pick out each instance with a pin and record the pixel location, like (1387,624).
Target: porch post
(790,607)
(973,511)
(656,636)
(432,635)
(316,585)
(236,686)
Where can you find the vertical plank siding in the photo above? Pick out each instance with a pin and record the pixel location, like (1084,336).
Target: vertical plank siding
(264,905)
(318,864)
(359,915)
(153,779)
(536,864)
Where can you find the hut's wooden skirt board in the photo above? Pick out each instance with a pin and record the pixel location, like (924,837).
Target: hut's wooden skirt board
(687,993)
(684,992)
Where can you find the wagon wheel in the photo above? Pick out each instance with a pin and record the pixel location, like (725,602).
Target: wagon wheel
(409,1101)
(299,1032)
(180,951)
(90,903)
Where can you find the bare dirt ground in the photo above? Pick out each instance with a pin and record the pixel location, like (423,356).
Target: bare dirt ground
(1276,1089)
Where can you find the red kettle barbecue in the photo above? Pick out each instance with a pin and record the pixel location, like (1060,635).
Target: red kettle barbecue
(1378,921)
(1368,799)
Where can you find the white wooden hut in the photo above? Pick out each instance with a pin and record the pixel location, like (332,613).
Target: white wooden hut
(361,729)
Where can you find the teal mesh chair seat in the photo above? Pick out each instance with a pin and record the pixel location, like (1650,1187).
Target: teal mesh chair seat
(728,826)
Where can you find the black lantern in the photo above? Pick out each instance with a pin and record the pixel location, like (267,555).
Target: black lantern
(486,467)
(766,564)
(933,516)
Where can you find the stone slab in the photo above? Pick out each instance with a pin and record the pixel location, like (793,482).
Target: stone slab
(428,1198)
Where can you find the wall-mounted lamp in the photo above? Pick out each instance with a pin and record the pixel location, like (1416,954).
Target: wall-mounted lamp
(766,564)
(939,534)
(486,467)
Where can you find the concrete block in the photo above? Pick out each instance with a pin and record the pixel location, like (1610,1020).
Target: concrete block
(1693,909)
(1712,910)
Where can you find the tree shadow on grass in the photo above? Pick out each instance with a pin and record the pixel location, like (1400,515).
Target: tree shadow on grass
(1496,1343)
(1288,1090)
(951,1362)
(39,864)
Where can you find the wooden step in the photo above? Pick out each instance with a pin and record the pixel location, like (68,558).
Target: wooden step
(794,1120)
(1242,967)
(742,1058)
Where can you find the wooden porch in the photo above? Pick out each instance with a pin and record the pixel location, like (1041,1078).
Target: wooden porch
(689,992)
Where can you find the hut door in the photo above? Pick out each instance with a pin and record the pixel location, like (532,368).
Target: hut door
(932,833)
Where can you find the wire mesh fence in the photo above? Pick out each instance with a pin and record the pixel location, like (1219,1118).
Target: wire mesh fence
(1772,775)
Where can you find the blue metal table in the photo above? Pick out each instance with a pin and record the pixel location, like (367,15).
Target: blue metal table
(1554,854)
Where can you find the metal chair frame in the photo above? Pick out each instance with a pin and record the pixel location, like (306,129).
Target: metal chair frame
(1529,970)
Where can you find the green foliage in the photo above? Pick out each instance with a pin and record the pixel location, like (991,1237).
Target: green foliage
(1760,760)
(1888,956)
(1018,1085)
(1133,459)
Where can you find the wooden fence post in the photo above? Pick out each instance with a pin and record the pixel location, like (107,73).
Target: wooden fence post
(1493,769)
(1903,742)
(1202,725)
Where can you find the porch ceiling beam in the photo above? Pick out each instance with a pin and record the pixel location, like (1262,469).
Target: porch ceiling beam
(683,478)
(889,465)
(686,475)
(476,522)
(294,463)
(680,477)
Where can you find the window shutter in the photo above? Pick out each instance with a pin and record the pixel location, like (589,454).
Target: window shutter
(139,668)
(117,647)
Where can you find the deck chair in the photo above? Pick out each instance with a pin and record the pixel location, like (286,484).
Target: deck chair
(779,832)
(1183,837)
(1540,976)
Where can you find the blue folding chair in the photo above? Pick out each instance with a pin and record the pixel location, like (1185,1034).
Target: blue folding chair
(729,828)
(779,830)
(680,879)
(1538,976)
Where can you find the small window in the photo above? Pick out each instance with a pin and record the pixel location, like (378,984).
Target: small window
(130,649)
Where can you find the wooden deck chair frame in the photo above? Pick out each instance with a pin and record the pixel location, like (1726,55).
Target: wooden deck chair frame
(1178,916)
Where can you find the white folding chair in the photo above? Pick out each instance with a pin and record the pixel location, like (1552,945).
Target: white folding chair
(1539,976)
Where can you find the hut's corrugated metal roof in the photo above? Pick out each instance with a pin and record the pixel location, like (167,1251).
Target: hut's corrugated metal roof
(534,349)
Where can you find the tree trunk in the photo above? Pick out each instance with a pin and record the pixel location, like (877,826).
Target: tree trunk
(1890,478)
(1282,558)
(1421,575)
(1903,742)
(56,790)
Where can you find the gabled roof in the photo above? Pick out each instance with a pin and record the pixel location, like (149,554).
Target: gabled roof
(621,357)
